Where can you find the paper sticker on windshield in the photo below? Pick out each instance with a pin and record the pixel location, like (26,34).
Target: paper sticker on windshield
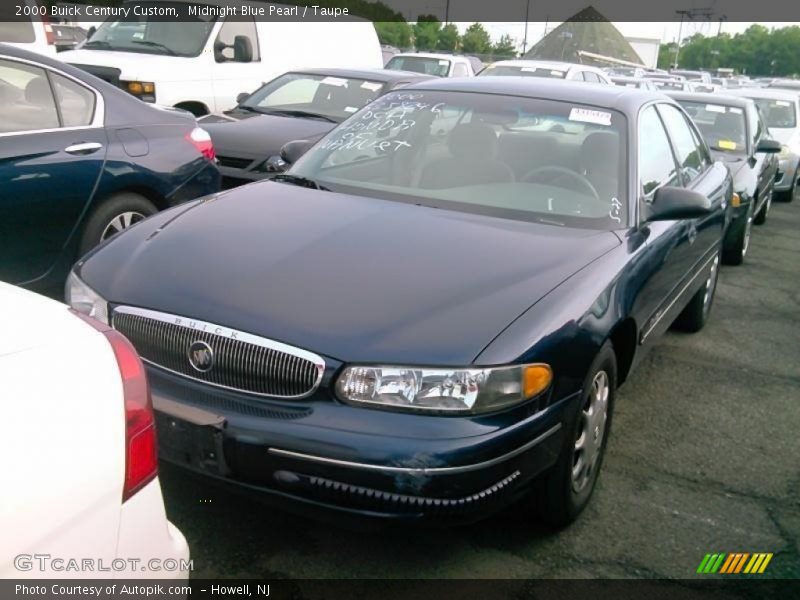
(726,145)
(528,69)
(444,63)
(715,108)
(371,86)
(735,110)
(335,81)
(584,115)
(350,109)
(783,103)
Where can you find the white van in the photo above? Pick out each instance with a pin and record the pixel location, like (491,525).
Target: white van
(32,32)
(202,65)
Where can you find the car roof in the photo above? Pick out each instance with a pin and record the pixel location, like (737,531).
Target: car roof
(432,55)
(769,93)
(382,75)
(722,99)
(556,65)
(626,100)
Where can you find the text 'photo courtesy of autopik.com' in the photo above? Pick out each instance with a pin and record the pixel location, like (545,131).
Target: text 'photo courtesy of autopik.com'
(394,299)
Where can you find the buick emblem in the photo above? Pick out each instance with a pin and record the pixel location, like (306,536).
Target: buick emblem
(201,356)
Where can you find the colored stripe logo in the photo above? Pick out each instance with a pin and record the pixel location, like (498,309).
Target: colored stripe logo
(735,563)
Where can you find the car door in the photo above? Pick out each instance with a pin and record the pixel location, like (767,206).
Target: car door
(703,234)
(766,164)
(52,150)
(237,64)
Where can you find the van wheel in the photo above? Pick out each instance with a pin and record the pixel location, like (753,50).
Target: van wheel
(566,489)
(113,216)
(694,316)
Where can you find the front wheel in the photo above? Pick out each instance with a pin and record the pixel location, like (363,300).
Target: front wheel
(736,249)
(761,216)
(565,490)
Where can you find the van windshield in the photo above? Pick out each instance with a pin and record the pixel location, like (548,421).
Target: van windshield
(153,35)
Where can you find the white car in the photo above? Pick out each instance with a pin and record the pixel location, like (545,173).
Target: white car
(32,32)
(80,493)
(547,68)
(429,63)
(204,63)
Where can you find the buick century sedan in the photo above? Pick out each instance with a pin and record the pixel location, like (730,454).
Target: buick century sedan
(430,313)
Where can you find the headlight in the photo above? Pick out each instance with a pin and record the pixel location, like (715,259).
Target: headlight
(784,153)
(144,90)
(469,390)
(84,299)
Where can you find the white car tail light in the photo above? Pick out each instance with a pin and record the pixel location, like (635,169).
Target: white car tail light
(200,139)
(141,456)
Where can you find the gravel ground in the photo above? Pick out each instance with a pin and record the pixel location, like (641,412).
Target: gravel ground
(704,457)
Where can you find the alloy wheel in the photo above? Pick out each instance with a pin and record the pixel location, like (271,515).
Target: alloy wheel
(591,431)
(121,222)
(711,284)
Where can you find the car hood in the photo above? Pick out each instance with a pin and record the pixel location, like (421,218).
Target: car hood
(353,278)
(259,136)
(135,66)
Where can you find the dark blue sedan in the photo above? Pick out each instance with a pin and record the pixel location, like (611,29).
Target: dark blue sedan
(81,160)
(430,313)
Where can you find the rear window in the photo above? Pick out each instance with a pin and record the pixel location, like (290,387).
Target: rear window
(722,126)
(524,71)
(438,67)
(777,113)
(17,33)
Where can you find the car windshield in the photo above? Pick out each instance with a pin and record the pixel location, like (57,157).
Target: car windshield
(528,159)
(332,97)
(522,71)
(153,35)
(779,114)
(722,126)
(438,67)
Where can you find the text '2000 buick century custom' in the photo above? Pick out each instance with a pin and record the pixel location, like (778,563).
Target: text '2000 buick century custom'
(430,313)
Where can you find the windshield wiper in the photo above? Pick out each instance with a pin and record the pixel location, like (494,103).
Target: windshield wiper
(164,47)
(300,113)
(97,44)
(301,181)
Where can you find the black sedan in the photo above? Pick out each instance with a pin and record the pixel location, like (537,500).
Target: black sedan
(735,130)
(80,160)
(299,105)
(432,310)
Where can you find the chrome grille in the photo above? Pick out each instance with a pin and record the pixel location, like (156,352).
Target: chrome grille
(241,361)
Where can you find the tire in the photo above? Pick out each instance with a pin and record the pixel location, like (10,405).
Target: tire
(564,491)
(736,249)
(693,318)
(761,216)
(788,195)
(112,216)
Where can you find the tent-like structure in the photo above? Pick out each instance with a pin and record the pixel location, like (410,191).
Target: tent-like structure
(586,31)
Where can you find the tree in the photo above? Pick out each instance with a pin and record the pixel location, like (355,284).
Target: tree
(505,48)
(476,40)
(426,32)
(394,33)
(448,38)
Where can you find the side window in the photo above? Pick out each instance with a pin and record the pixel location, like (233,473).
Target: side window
(75,101)
(26,98)
(237,41)
(690,154)
(656,163)
(591,77)
(758,125)
(460,70)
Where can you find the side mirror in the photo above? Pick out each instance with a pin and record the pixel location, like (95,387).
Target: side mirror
(242,50)
(291,151)
(768,146)
(242,97)
(675,203)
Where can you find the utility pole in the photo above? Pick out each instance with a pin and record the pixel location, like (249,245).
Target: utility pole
(691,13)
(525,38)
(447,12)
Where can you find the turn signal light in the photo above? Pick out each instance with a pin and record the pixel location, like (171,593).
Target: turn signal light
(736,200)
(535,379)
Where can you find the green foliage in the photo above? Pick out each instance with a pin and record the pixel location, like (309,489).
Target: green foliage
(505,48)
(756,51)
(448,38)
(426,32)
(476,40)
(394,33)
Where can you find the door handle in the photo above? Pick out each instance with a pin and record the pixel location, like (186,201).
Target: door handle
(81,149)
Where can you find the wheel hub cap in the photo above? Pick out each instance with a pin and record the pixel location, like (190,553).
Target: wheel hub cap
(590,433)
(120,223)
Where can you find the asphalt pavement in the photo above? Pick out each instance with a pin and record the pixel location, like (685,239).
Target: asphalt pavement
(704,457)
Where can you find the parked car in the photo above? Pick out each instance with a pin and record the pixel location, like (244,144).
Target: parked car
(78,455)
(201,64)
(388,52)
(80,160)
(300,105)
(675,85)
(630,72)
(792,85)
(781,111)
(738,136)
(696,76)
(33,33)
(633,82)
(423,322)
(547,69)
(436,65)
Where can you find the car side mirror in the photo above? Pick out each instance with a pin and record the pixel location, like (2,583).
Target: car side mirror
(291,151)
(242,97)
(675,203)
(242,50)
(768,146)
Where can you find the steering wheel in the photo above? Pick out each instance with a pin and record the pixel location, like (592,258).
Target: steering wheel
(560,173)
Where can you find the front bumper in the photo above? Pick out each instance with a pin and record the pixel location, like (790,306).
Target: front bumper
(787,174)
(385,465)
